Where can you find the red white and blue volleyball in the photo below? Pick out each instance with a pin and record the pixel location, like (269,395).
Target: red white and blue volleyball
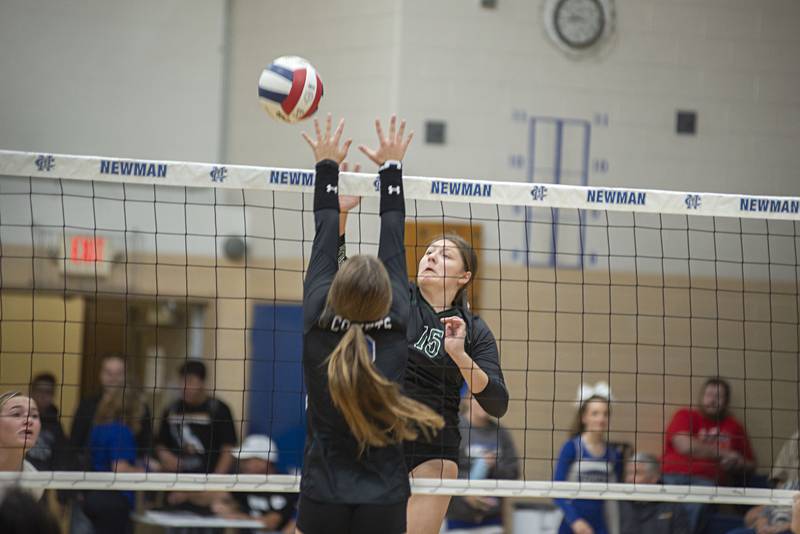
(290,89)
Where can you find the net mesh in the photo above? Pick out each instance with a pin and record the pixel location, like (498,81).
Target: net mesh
(650,292)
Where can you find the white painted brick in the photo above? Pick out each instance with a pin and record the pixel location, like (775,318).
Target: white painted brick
(428,33)
(728,85)
(727,149)
(519,39)
(634,16)
(709,53)
(789,120)
(762,119)
(742,5)
(596,78)
(775,181)
(769,56)
(679,20)
(645,48)
(723,22)
(778,88)
(780,26)
(779,151)
(713,116)
(697,149)
(719,177)
(644,111)
(674,81)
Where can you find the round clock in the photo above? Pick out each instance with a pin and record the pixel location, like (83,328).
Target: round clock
(577,26)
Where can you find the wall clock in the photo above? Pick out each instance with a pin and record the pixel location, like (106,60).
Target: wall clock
(579,26)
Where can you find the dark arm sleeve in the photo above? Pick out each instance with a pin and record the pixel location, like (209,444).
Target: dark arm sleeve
(62,454)
(144,439)
(225,428)
(619,468)
(494,397)
(391,249)
(81,424)
(164,438)
(323,264)
(79,433)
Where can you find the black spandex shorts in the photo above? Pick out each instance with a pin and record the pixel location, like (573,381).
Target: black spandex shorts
(314,517)
(443,445)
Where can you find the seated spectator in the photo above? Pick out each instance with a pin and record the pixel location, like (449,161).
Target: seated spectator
(787,464)
(706,446)
(112,376)
(487,452)
(51,450)
(588,456)
(766,520)
(20,513)
(112,447)
(776,519)
(637,517)
(19,430)
(258,455)
(197,433)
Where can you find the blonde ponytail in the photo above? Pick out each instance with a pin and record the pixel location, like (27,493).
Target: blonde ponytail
(373,407)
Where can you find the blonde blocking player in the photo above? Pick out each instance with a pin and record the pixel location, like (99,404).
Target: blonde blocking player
(354,357)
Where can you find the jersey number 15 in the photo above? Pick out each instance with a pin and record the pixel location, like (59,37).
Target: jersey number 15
(430,342)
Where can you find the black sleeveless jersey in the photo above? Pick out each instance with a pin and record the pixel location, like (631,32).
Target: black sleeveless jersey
(433,378)
(333,471)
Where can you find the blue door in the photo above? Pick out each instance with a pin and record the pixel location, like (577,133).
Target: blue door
(277,395)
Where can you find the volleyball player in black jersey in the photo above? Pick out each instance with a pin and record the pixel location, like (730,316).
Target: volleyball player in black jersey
(448,346)
(354,478)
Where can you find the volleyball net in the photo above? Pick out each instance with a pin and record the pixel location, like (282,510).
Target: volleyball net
(649,292)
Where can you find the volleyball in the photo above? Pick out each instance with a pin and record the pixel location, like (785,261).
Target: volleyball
(290,89)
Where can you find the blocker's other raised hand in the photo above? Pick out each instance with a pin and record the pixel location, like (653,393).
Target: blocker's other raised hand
(326,146)
(391,146)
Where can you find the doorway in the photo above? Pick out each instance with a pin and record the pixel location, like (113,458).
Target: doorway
(419,234)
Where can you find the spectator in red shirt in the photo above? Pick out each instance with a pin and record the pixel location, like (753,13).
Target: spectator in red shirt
(706,446)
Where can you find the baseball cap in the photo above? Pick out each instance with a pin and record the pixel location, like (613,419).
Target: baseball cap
(258,446)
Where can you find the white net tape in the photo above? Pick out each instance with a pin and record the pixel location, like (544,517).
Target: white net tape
(209,175)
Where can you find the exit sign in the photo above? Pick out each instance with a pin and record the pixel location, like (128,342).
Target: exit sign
(87,255)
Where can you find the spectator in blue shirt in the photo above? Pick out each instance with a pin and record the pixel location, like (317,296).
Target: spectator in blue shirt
(589,457)
(112,447)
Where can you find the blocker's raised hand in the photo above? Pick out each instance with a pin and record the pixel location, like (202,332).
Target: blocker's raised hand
(390,147)
(327,146)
